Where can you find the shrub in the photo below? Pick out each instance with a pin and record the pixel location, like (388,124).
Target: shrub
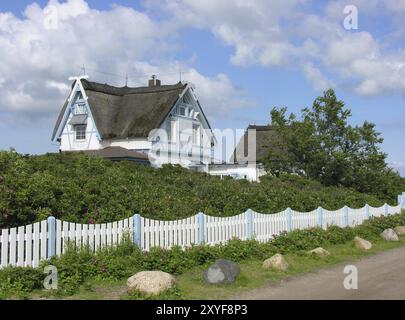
(81,188)
(18,281)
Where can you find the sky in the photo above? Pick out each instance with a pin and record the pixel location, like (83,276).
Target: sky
(242,56)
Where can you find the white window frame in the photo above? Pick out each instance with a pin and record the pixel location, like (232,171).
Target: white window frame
(82,137)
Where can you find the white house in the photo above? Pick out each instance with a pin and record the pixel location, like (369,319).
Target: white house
(156,123)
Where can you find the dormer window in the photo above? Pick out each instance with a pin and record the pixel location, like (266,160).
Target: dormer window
(182,111)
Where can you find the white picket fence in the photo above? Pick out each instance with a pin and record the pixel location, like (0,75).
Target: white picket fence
(28,245)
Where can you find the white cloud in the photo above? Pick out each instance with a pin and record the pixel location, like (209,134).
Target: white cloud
(36,59)
(291,34)
(217,94)
(315,77)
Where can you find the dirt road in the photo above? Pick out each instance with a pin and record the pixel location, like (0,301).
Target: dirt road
(381,276)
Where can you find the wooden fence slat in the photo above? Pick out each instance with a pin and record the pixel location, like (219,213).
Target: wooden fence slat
(20,247)
(44,239)
(109,231)
(28,246)
(114,232)
(35,262)
(91,237)
(4,248)
(65,235)
(85,235)
(72,233)
(103,235)
(58,237)
(78,235)
(97,238)
(13,246)
(120,230)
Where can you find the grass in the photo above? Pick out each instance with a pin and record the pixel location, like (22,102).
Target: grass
(191,286)
(254,276)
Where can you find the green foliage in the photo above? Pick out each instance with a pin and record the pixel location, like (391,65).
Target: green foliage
(19,281)
(85,189)
(323,146)
(170,294)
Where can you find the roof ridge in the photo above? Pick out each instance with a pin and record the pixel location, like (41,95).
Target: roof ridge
(122,91)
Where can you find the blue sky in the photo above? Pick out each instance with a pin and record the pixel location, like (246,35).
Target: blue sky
(244,57)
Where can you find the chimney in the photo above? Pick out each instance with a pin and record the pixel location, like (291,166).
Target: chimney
(154,82)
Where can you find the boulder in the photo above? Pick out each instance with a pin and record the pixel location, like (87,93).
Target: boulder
(222,271)
(389,235)
(276,262)
(319,252)
(400,230)
(150,282)
(362,243)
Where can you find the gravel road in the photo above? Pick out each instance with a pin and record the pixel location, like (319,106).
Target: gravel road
(381,276)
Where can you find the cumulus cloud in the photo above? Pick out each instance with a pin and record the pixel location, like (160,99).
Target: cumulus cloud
(315,77)
(49,44)
(292,34)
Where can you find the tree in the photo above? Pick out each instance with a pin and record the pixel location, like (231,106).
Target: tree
(321,145)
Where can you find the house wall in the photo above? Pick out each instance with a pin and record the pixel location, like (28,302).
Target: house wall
(237,171)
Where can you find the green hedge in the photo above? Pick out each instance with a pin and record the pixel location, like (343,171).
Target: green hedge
(76,267)
(86,189)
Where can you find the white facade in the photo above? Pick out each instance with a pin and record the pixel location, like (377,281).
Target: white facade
(184,137)
(250,172)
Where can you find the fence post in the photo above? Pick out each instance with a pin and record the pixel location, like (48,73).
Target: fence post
(249,224)
(346,213)
(367,207)
(289,220)
(386,209)
(137,230)
(201,228)
(51,221)
(320,213)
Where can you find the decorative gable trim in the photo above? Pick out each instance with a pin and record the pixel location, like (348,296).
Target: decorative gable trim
(190,89)
(77,87)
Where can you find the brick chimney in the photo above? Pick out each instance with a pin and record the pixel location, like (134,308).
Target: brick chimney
(154,82)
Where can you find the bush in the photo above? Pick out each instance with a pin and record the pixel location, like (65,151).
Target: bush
(86,189)
(18,281)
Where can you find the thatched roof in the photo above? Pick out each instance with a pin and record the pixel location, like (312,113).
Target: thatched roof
(127,112)
(266,138)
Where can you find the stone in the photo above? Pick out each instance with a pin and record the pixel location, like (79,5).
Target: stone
(151,282)
(276,262)
(319,252)
(389,235)
(362,243)
(222,271)
(400,230)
